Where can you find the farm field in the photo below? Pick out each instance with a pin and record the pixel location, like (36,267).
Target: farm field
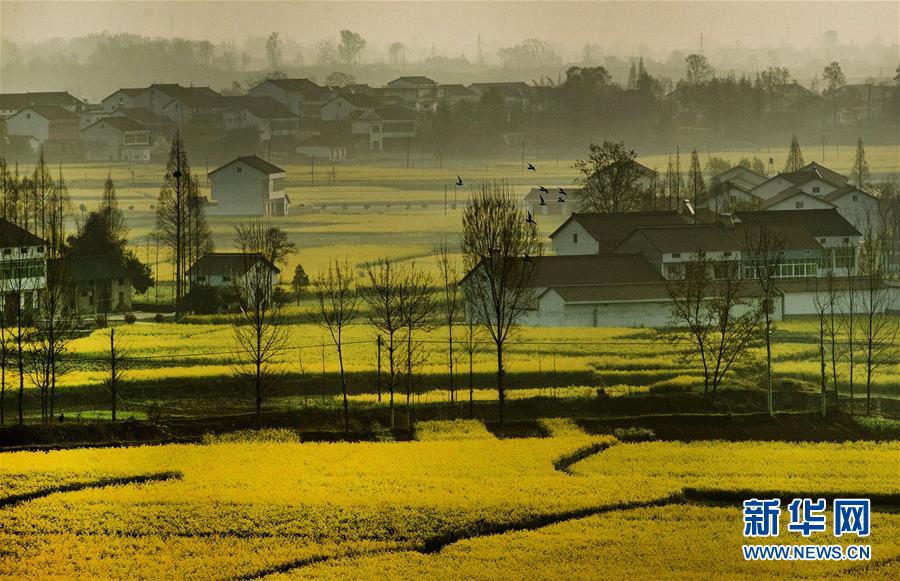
(379,210)
(186,369)
(456,502)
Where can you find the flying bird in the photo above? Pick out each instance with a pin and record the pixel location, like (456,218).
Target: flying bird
(543,203)
(563,192)
(530,220)
(543,189)
(531,167)
(459,181)
(561,200)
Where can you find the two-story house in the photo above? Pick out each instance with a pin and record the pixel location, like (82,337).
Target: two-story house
(385,128)
(54,128)
(301,96)
(23,267)
(248,186)
(117,139)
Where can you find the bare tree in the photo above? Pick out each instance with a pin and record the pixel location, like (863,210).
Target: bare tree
(470,340)
(499,247)
(449,304)
(878,328)
(765,248)
(381,296)
(828,292)
(711,303)
(115,366)
(337,296)
(259,331)
(415,306)
(56,324)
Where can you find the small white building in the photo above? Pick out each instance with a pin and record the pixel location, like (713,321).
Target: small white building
(385,128)
(342,106)
(55,128)
(302,96)
(121,99)
(230,269)
(248,186)
(116,139)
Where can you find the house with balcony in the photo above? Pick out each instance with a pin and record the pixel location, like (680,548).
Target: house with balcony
(23,268)
(416,92)
(117,139)
(302,97)
(248,186)
(52,126)
(384,128)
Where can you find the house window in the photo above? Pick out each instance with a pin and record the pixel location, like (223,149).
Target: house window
(574,237)
(226,278)
(27,115)
(855,198)
(846,241)
(40,249)
(676,255)
(822,240)
(201,278)
(799,205)
(239,168)
(727,254)
(121,281)
(23,250)
(816,189)
(7,251)
(733,198)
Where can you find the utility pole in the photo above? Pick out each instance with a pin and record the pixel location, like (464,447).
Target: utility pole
(312,170)
(445,199)
(523,154)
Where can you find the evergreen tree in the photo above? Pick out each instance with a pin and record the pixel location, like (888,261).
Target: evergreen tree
(795,156)
(172,214)
(695,180)
(860,171)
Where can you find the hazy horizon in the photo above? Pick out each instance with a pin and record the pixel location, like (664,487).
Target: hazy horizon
(453,28)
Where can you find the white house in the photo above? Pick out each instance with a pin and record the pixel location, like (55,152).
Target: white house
(11,103)
(248,186)
(417,92)
(859,208)
(793,198)
(116,139)
(121,99)
(229,269)
(23,267)
(342,106)
(54,127)
(301,96)
(596,233)
(385,128)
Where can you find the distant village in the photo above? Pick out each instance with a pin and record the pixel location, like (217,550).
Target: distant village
(296,120)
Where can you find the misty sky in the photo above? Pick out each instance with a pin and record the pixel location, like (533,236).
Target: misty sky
(453,27)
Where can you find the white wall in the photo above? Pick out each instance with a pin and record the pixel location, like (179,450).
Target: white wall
(241,193)
(27,122)
(564,241)
(809,203)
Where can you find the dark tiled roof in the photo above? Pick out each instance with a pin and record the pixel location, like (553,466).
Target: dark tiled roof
(120,123)
(593,269)
(304,87)
(614,228)
(13,235)
(791,233)
(690,238)
(53,112)
(253,161)
(84,269)
(843,191)
(144,116)
(227,263)
(20,101)
(788,194)
(261,107)
(131,92)
(414,80)
(817,222)
(820,170)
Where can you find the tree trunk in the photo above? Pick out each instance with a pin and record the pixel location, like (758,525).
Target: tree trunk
(501,392)
(822,359)
(769,364)
(471,387)
(344,391)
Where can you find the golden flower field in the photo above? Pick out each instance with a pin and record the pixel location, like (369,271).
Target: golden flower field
(457,502)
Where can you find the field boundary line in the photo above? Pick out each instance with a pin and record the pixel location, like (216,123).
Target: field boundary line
(565,462)
(15,499)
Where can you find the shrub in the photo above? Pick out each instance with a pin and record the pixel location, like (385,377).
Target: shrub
(130,318)
(634,434)
(267,435)
(381,433)
(100,321)
(452,430)
(159,318)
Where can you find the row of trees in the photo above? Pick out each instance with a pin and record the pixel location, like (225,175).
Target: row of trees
(721,309)
(38,316)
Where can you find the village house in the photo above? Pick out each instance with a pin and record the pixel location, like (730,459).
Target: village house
(121,99)
(230,269)
(117,139)
(455,93)
(248,186)
(329,147)
(864,103)
(12,103)
(416,92)
(516,94)
(99,285)
(277,126)
(23,267)
(54,128)
(342,106)
(385,128)
(301,96)
(613,269)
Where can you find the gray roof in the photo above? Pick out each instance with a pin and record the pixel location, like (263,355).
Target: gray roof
(121,123)
(790,193)
(253,161)
(261,107)
(415,80)
(613,228)
(14,235)
(52,112)
(227,263)
(817,222)
(592,269)
(689,238)
(19,101)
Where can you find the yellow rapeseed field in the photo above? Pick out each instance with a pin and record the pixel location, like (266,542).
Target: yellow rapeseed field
(249,508)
